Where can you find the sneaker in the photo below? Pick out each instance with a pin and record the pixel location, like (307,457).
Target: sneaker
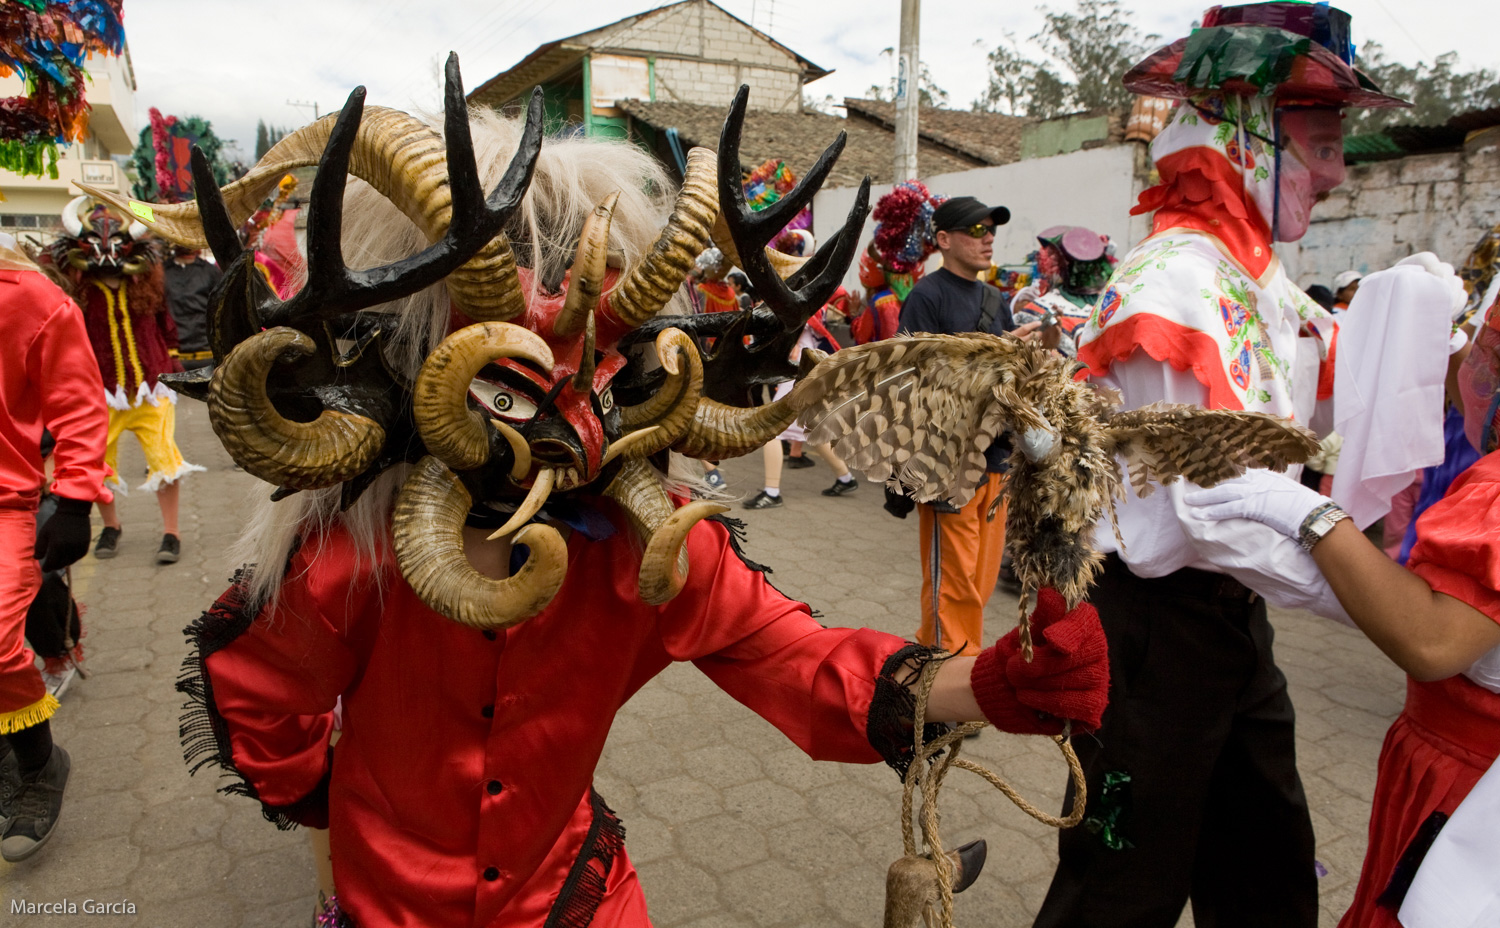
(10,782)
(799,461)
(58,683)
(170,550)
(36,808)
(714,478)
(842,487)
(109,543)
(763,500)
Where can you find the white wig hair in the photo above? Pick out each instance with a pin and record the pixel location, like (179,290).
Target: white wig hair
(572,175)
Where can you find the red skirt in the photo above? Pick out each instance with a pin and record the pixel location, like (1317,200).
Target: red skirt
(1437,749)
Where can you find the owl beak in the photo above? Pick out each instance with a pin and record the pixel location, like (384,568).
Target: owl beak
(1039,443)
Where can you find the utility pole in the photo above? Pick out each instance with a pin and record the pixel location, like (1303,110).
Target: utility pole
(908,92)
(302,105)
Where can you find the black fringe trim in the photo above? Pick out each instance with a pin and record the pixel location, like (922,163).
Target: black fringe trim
(583,890)
(737,533)
(203,731)
(1405,870)
(893,706)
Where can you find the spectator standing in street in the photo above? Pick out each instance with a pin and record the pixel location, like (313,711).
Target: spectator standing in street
(189,281)
(48,378)
(961,548)
(1345,285)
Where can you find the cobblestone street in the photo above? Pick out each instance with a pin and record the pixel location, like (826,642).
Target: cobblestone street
(728,823)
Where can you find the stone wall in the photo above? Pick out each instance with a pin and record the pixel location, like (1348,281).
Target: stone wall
(714,83)
(703,55)
(1385,211)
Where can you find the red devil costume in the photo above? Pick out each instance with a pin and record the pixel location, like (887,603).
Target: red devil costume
(476,702)
(48,380)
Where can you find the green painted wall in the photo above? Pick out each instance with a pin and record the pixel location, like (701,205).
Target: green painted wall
(1060,136)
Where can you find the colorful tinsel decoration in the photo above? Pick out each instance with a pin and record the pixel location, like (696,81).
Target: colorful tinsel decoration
(769,183)
(46,42)
(903,230)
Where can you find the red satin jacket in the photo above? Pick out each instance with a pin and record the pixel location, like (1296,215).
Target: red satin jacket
(48,379)
(460,792)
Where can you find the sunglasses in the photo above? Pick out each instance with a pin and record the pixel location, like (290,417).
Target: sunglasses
(977,230)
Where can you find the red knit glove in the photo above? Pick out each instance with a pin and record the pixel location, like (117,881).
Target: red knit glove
(1068,677)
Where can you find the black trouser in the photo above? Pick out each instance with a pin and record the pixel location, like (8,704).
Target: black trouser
(1200,722)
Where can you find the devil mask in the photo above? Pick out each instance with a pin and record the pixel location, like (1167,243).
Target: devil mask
(97,241)
(529,397)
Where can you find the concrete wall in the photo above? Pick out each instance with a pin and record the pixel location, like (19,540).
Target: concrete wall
(1094,188)
(1385,211)
(703,55)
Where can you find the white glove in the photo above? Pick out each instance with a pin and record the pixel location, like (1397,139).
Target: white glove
(1427,261)
(1261,496)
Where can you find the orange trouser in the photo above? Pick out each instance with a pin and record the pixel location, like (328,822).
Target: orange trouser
(961,554)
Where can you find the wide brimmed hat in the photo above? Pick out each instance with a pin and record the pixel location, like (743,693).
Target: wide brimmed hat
(1300,53)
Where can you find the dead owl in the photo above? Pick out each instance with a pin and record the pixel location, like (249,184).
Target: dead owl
(919,411)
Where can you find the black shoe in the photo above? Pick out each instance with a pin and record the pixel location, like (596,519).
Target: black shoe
(170,550)
(799,461)
(842,487)
(109,543)
(36,809)
(10,782)
(763,500)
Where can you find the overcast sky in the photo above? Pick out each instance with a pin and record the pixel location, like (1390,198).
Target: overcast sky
(234,62)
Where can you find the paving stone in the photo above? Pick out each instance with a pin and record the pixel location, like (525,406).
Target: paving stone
(680,799)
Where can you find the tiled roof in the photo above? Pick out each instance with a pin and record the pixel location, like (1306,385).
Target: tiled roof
(991,138)
(798,139)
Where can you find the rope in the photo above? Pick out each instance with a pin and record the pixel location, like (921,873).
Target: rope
(928,774)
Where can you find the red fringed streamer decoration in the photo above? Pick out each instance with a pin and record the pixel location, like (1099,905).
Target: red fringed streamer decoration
(903,231)
(161,143)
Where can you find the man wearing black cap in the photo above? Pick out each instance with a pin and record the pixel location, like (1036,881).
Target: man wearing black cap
(961,548)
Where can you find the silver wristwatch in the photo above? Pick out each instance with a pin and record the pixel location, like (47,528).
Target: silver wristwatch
(1319,523)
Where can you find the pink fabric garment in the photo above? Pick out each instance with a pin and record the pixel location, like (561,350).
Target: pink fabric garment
(1393,531)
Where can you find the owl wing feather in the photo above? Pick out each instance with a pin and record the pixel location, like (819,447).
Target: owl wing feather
(1164,441)
(918,410)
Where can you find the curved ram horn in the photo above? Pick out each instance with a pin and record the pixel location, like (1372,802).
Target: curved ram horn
(456,434)
(302,455)
(536,497)
(406,161)
(428,531)
(673,405)
(72,222)
(664,565)
(648,287)
(719,431)
(586,277)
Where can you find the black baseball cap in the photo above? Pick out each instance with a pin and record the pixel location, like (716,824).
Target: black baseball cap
(962,212)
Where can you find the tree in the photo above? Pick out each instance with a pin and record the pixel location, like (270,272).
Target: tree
(1438,93)
(265,137)
(1084,53)
(928,92)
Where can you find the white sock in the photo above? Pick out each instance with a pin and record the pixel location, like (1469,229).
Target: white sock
(773,492)
(847,478)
